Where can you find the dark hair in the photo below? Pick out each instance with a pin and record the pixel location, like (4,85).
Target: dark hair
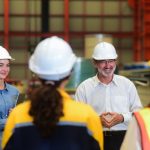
(46,107)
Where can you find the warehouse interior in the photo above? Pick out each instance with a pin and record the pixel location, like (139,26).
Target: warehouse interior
(83,23)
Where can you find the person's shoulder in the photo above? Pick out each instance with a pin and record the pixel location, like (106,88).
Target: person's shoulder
(21,112)
(83,107)
(123,78)
(89,80)
(11,87)
(22,107)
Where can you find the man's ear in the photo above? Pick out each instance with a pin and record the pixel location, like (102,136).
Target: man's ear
(94,63)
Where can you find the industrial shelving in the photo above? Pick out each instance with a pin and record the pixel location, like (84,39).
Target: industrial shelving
(141,16)
(24,25)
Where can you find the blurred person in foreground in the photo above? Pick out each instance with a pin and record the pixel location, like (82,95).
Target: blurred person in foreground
(8,93)
(113,96)
(138,134)
(51,120)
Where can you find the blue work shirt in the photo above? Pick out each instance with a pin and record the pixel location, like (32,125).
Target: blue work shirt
(8,100)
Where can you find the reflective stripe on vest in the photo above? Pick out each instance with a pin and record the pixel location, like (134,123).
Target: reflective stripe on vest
(143,119)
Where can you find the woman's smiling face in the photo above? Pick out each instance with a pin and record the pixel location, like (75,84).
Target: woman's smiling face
(4,68)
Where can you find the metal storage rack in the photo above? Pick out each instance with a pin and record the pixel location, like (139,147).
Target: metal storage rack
(141,10)
(76,23)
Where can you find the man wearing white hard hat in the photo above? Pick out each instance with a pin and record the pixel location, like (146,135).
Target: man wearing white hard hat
(8,93)
(113,97)
(51,120)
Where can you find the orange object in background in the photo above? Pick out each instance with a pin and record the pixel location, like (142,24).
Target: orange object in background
(131,3)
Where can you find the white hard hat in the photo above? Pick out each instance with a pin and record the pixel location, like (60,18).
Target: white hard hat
(53,59)
(4,54)
(103,51)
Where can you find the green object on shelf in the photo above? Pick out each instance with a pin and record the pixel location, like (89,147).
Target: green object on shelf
(82,70)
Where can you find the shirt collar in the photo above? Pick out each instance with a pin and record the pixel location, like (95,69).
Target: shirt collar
(97,81)
(6,87)
(115,81)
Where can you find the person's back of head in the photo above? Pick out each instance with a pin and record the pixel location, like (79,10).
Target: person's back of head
(104,51)
(52,61)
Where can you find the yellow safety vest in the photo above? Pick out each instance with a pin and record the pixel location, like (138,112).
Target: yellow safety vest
(143,119)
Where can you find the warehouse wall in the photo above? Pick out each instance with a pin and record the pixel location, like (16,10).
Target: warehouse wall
(85,17)
(113,18)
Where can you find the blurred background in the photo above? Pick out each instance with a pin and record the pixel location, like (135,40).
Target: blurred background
(83,23)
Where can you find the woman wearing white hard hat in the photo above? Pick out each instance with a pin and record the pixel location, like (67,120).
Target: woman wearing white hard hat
(51,120)
(8,93)
(113,96)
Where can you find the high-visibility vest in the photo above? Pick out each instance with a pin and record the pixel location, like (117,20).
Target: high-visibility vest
(143,119)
